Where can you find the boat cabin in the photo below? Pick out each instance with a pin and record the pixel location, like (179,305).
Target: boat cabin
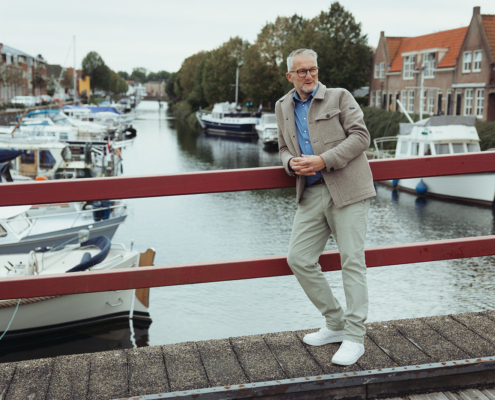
(436,136)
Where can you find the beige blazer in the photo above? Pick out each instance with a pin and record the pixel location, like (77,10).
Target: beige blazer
(338,134)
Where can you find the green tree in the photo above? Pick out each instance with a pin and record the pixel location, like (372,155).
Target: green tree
(118,85)
(94,66)
(139,74)
(219,72)
(158,76)
(344,56)
(170,87)
(186,74)
(124,75)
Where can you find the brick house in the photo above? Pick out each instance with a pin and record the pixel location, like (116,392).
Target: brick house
(21,74)
(457,68)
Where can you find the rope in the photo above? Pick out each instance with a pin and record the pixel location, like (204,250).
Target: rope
(8,326)
(31,300)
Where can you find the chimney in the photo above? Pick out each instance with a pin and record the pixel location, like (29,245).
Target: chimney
(476,10)
(382,33)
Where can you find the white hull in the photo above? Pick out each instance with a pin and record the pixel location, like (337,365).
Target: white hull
(474,187)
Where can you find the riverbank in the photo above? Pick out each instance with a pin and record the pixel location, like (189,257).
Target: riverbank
(183,111)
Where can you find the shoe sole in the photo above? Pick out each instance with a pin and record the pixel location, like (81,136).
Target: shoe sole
(347,363)
(336,339)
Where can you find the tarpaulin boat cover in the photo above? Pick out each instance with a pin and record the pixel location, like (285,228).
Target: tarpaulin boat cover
(9,155)
(94,110)
(103,243)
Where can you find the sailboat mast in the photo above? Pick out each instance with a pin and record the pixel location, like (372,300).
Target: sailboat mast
(75,74)
(236,85)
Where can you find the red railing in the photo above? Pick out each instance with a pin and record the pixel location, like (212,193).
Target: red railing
(227,181)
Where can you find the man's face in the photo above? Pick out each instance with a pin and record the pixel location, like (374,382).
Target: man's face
(308,83)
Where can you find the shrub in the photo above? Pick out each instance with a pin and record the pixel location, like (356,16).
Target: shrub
(486,131)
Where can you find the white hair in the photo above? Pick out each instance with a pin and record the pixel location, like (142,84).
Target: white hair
(300,52)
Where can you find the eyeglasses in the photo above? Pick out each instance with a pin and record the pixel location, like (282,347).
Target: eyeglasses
(301,73)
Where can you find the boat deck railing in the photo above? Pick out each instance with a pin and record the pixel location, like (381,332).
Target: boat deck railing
(230,181)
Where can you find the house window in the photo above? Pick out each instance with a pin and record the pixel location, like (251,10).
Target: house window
(403,98)
(410,101)
(372,98)
(408,67)
(377,103)
(480,101)
(429,64)
(466,63)
(477,61)
(377,70)
(468,102)
(382,70)
(423,95)
(431,101)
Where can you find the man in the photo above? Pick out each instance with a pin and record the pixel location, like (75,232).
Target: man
(322,138)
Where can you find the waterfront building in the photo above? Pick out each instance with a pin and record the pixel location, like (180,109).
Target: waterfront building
(457,67)
(21,74)
(155,88)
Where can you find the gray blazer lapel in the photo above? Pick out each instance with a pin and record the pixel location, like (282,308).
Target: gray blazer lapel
(290,122)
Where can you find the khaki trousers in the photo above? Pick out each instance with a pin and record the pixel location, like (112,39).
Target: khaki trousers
(316,218)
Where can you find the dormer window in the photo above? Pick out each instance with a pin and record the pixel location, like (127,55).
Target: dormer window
(382,70)
(466,62)
(377,70)
(408,67)
(477,61)
(429,64)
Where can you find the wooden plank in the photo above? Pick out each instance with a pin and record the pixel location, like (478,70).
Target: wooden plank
(146,259)
(216,271)
(70,378)
(374,357)
(220,362)
(184,367)
(489,393)
(397,347)
(462,337)
(323,355)
(128,187)
(7,371)
(428,340)
(292,356)
(479,323)
(256,359)
(146,371)
(471,394)
(108,376)
(31,380)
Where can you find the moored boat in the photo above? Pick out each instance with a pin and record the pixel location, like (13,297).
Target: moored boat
(226,119)
(436,136)
(268,130)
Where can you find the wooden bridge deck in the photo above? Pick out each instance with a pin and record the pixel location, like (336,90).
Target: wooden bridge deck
(402,357)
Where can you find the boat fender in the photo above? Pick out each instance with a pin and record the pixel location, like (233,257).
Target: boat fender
(395,182)
(421,187)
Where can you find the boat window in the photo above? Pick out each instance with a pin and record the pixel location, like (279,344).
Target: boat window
(3,232)
(427,150)
(458,147)
(60,119)
(18,224)
(473,147)
(27,157)
(269,119)
(442,149)
(414,149)
(46,159)
(403,149)
(65,174)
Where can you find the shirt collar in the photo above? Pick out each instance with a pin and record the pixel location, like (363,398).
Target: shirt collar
(296,95)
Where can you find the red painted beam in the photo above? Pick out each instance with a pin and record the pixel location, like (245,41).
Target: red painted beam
(225,181)
(184,274)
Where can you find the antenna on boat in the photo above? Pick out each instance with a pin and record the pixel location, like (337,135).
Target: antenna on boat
(405,112)
(75,74)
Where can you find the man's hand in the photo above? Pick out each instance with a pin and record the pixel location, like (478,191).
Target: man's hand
(307,165)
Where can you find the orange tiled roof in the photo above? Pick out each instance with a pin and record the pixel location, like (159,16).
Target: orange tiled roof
(489,24)
(393,44)
(451,39)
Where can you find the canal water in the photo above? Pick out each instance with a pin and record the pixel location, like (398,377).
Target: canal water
(236,225)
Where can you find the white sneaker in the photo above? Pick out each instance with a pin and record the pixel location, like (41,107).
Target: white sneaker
(348,353)
(324,336)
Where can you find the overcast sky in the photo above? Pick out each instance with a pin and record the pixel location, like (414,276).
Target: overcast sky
(160,34)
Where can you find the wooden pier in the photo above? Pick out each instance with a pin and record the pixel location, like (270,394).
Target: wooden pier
(402,357)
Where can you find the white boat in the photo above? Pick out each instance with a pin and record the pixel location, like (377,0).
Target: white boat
(44,157)
(438,136)
(52,313)
(268,130)
(226,119)
(26,228)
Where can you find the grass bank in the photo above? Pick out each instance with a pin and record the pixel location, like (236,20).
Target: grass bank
(183,111)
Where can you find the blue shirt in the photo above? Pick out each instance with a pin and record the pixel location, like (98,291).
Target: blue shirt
(301,116)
